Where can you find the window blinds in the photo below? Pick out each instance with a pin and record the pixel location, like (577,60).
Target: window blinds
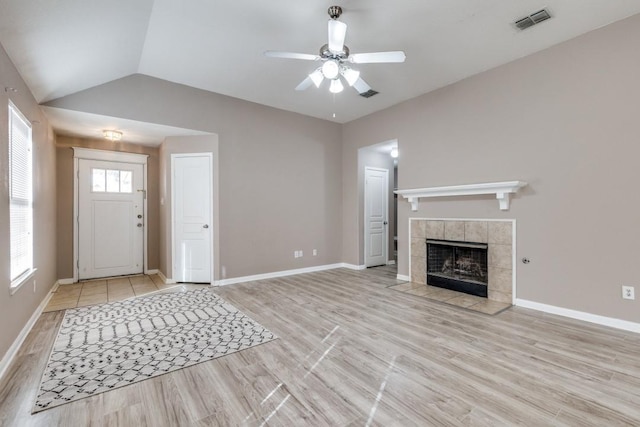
(20,193)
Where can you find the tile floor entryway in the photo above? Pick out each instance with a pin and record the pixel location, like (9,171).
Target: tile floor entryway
(459,299)
(99,291)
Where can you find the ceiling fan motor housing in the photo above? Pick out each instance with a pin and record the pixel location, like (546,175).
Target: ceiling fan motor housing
(325,53)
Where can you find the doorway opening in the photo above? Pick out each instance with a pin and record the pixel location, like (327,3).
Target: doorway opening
(377,177)
(110,210)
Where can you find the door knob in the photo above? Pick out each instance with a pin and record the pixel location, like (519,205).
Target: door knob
(385,223)
(205,226)
(139,216)
(139,224)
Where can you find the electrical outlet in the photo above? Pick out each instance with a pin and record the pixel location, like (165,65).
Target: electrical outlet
(315,252)
(295,254)
(300,253)
(628,292)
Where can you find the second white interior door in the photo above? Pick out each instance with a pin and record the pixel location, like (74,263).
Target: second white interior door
(376,207)
(191,197)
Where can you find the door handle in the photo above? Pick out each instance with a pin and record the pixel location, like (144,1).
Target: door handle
(385,223)
(205,226)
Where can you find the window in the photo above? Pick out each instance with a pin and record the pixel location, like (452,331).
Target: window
(111,181)
(20,197)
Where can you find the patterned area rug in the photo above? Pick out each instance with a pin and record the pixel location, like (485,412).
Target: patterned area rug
(103,347)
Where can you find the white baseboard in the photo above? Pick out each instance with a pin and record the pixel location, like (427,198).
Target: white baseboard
(391,262)
(13,350)
(283,273)
(65,281)
(580,315)
(165,279)
(151,271)
(403,277)
(353,266)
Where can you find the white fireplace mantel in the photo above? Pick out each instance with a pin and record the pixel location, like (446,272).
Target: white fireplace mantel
(502,190)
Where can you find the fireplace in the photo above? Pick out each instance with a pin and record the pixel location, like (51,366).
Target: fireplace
(459,266)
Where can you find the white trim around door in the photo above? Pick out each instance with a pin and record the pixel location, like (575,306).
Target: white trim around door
(109,156)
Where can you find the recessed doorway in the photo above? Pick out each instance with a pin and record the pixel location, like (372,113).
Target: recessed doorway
(110,213)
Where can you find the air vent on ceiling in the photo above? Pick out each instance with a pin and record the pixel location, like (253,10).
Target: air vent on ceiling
(533,19)
(369,93)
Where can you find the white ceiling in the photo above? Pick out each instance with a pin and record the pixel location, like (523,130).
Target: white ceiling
(64,46)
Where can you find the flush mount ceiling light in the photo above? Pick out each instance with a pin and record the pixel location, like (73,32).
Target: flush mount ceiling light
(335,56)
(112,135)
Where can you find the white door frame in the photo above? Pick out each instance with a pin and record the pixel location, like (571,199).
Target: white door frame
(366,211)
(108,156)
(173,212)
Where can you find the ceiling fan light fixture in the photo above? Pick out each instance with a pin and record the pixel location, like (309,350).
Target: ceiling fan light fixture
(336,86)
(335,57)
(316,77)
(330,69)
(350,75)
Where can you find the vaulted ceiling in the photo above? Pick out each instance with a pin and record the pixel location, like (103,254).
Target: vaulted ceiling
(64,46)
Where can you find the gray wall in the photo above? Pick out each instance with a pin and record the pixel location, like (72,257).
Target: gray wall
(16,310)
(64,173)
(280,172)
(564,120)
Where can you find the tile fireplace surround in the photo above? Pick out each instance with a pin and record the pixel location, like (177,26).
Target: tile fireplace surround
(498,234)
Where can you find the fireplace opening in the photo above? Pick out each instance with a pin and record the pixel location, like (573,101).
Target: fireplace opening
(459,266)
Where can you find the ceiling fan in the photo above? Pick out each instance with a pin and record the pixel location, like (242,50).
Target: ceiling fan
(336,57)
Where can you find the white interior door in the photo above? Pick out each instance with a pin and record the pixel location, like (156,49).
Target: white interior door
(191,198)
(110,219)
(376,206)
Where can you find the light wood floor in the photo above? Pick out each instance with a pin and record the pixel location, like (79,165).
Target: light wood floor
(459,299)
(353,352)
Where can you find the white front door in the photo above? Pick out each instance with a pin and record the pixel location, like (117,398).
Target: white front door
(191,198)
(110,218)
(376,205)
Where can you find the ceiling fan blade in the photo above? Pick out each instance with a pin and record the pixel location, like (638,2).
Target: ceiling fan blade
(377,57)
(361,86)
(337,32)
(291,55)
(304,85)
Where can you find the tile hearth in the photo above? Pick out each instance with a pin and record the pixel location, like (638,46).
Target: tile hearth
(458,299)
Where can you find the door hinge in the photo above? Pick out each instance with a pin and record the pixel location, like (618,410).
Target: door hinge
(78,264)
